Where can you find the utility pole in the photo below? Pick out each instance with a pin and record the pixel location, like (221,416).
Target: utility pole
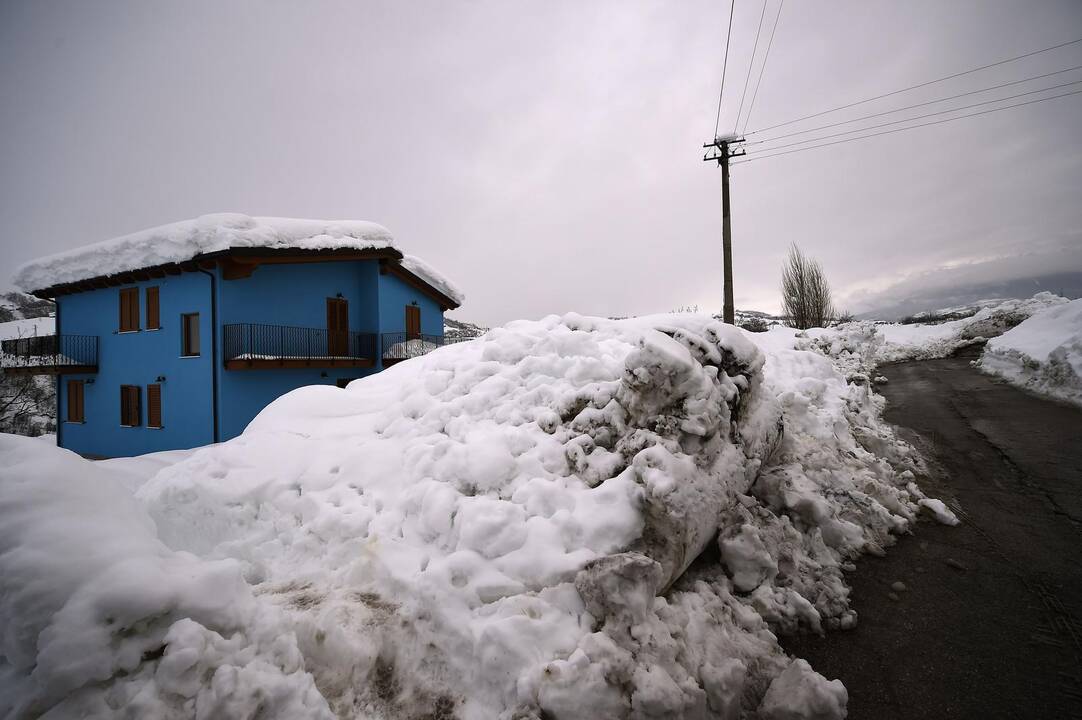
(721,151)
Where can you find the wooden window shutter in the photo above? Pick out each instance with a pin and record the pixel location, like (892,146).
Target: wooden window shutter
(125,311)
(189,329)
(343,316)
(75,401)
(413,322)
(154,406)
(136,410)
(153,314)
(129,309)
(337,326)
(130,412)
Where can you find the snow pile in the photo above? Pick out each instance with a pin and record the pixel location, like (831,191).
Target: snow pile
(99,615)
(1042,354)
(569,518)
(924,342)
(181,241)
(857,348)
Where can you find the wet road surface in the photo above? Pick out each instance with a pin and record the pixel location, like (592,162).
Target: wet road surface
(990,622)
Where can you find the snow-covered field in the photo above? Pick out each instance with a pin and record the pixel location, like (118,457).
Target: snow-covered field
(27,327)
(568,518)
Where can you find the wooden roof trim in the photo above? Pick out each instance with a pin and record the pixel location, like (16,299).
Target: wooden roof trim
(252,256)
(395,268)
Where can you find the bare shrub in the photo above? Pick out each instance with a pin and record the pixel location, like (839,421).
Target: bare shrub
(805,293)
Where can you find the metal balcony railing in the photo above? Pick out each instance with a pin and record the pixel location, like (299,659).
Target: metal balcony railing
(50,354)
(249,345)
(403,346)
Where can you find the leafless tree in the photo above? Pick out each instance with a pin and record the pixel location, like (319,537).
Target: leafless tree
(805,293)
(27,403)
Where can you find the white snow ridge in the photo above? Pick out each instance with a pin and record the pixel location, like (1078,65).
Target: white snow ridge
(1042,354)
(569,518)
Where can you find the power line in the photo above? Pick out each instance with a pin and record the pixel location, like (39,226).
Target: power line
(917,105)
(751,64)
(724,64)
(911,127)
(766,57)
(920,117)
(919,85)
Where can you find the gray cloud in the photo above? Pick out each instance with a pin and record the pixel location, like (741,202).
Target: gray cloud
(1051,266)
(544,155)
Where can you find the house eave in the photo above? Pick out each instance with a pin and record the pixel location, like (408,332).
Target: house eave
(239,262)
(393,267)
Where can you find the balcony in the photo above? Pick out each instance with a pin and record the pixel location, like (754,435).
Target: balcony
(250,346)
(403,346)
(49,355)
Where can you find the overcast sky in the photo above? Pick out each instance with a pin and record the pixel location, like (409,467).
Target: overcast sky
(544,155)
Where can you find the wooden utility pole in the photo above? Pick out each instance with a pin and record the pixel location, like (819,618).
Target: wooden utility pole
(720,150)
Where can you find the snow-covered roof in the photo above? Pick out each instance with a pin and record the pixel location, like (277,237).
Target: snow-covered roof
(182,241)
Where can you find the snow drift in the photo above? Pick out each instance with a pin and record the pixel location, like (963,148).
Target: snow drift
(569,518)
(1043,354)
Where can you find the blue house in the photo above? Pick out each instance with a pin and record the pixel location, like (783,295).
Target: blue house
(179,335)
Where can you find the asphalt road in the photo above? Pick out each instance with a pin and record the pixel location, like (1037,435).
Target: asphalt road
(990,622)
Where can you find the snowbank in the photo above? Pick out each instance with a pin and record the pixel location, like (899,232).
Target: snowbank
(569,518)
(1043,354)
(924,342)
(100,615)
(857,348)
(181,241)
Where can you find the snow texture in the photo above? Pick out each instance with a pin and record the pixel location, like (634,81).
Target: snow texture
(857,348)
(181,241)
(27,327)
(1043,354)
(567,518)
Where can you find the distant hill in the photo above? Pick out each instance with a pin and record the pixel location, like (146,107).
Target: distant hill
(459,328)
(22,315)
(20,306)
(1065,284)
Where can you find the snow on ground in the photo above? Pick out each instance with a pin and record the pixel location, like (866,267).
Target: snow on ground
(27,327)
(568,518)
(1042,354)
(184,240)
(859,347)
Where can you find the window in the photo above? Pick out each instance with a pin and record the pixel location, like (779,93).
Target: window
(189,335)
(154,406)
(129,310)
(75,401)
(130,412)
(153,316)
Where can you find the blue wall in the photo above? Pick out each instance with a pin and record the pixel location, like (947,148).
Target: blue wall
(291,294)
(297,295)
(395,295)
(139,358)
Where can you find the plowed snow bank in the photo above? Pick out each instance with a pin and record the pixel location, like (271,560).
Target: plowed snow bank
(503,528)
(1043,354)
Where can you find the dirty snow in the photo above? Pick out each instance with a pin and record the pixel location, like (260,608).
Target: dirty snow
(1043,354)
(184,240)
(568,518)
